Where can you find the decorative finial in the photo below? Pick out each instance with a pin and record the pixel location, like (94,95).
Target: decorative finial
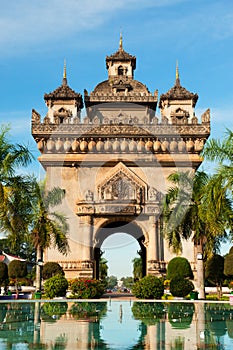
(177,73)
(121,42)
(177,70)
(64,81)
(64,71)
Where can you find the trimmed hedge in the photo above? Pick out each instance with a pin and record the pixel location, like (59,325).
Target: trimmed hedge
(149,287)
(180,287)
(51,269)
(56,286)
(179,266)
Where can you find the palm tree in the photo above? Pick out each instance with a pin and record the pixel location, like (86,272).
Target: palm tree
(103,267)
(14,190)
(49,228)
(137,268)
(222,152)
(191,211)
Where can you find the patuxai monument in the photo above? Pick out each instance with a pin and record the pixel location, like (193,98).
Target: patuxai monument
(111,150)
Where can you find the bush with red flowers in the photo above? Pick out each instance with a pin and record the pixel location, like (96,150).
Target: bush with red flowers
(85,288)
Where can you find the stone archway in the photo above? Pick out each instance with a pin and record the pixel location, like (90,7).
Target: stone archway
(113,164)
(111,227)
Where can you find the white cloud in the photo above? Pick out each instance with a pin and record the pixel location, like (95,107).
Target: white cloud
(26,23)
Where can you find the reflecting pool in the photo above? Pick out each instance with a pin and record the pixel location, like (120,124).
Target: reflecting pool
(114,324)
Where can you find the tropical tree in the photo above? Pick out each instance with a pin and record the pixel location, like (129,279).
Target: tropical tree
(111,282)
(49,228)
(17,269)
(228,264)
(137,268)
(103,269)
(220,152)
(215,272)
(192,211)
(15,197)
(4,278)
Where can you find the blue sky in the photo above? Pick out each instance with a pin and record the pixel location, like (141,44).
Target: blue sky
(36,37)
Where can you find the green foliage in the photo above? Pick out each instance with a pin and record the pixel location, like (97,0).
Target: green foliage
(53,310)
(84,288)
(149,287)
(17,269)
(215,269)
(137,268)
(3,274)
(180,286)
(56,286)
(179,266)
(149,313)
(228,264)
(128,282)
(51,269)
(85,310)
(182,312)
(103,264)
(111,282)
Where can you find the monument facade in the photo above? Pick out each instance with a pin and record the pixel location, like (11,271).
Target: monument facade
(113,163)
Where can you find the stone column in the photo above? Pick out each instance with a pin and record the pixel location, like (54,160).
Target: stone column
(86,244)
(153,247)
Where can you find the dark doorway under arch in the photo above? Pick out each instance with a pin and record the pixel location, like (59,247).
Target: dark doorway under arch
(116,227)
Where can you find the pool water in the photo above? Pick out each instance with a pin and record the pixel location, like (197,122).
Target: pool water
(111,324)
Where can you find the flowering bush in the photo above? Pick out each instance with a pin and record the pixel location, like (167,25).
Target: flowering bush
(84,288)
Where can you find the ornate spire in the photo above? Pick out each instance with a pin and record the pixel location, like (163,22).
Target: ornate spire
(177,74)
(121,42)
(64,81)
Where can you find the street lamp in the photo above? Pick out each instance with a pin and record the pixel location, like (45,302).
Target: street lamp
(39,265)
(199,256)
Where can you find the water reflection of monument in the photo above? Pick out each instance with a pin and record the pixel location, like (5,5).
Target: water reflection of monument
(106,325)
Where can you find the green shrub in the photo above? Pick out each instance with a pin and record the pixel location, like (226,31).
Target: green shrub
(149,287)
(56,286)
(3,274)
(17,270)
(179,266)
(84,288)
(180,287)
(51,269)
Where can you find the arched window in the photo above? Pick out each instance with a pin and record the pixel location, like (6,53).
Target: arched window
(120,70)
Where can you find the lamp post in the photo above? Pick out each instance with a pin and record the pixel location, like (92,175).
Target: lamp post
(200,275)
(39,265)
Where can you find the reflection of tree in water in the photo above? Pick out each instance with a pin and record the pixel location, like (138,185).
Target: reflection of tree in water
(52,311)
(229,324)
(149,313)
(216,326)
(15,321)
(88,310)
(141,345)
(178,344)
(180,315)
(91,312)
(60,343)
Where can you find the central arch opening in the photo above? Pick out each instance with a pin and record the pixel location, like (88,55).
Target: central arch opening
(120,241)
